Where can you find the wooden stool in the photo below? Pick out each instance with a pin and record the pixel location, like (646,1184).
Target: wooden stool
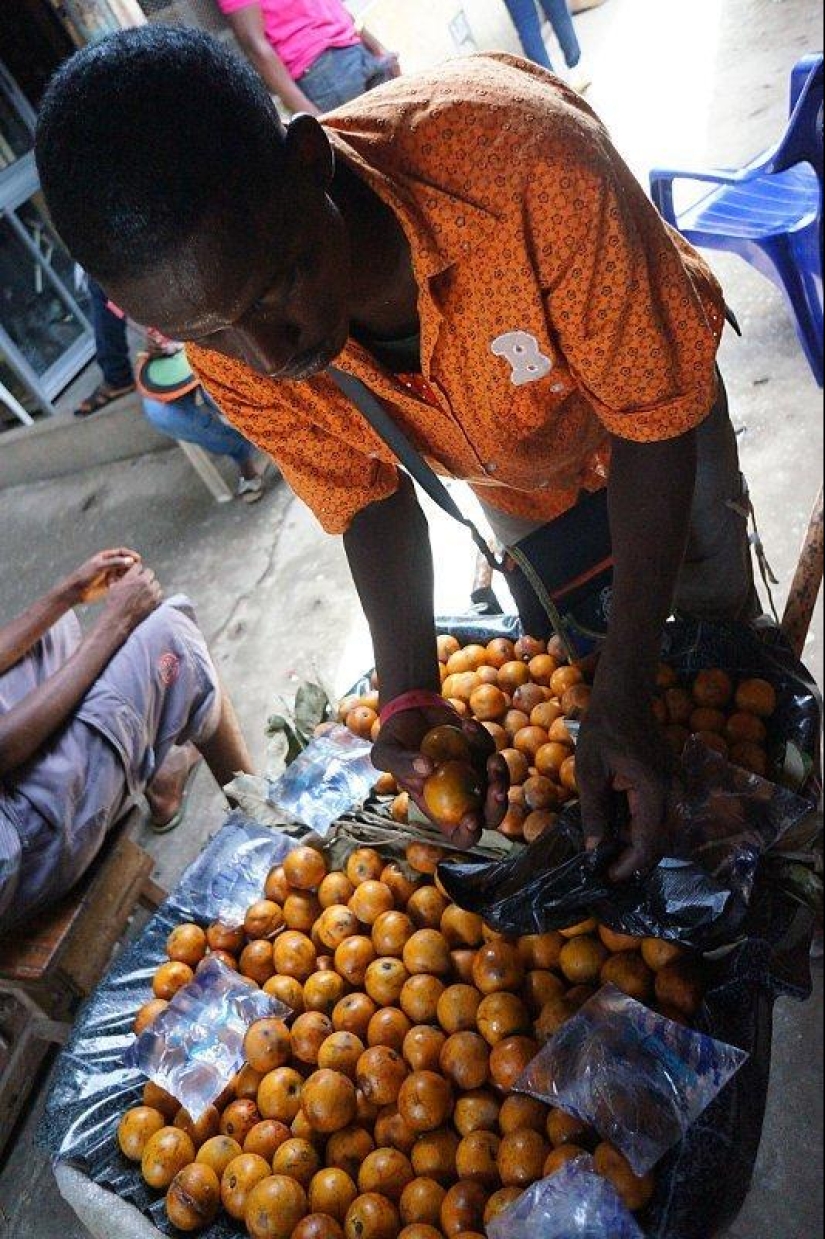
(60,958)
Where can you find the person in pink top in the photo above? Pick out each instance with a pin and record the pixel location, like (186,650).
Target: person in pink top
(308,52)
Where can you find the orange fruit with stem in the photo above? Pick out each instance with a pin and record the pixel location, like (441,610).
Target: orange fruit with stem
(372,1216)
(238,1180)
(433,1155)
(275,1207)
(425,1101)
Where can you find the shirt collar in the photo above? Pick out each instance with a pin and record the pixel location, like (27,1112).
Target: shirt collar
(442,228)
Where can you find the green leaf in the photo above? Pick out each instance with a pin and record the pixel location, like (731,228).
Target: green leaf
(311,708)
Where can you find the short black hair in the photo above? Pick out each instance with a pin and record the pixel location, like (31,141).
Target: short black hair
(144,135)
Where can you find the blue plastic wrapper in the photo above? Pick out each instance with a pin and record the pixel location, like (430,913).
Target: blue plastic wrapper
(195,1046)
(333,773)
(575,1203)
(640,1080)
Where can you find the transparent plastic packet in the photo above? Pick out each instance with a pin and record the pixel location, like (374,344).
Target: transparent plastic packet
(222,882)
(194,1048)
(639,1079)
(575,1203)
(332,774)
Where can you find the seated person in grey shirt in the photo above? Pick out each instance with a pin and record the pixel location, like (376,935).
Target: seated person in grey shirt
(90,722)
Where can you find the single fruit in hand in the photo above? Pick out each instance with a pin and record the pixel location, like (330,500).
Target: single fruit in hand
(451,792)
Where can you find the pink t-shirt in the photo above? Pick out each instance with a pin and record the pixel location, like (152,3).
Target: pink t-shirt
(301,30)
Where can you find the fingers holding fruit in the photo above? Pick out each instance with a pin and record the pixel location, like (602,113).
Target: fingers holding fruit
(450,768)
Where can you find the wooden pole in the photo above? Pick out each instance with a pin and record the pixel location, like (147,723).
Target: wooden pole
(806,583)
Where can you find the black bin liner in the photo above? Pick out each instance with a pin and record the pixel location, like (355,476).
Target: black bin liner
(701,1184)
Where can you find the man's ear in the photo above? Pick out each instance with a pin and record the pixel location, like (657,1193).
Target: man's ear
(308,151)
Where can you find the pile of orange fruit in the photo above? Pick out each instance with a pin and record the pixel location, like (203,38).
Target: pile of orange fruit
(384,1108)
(526,693)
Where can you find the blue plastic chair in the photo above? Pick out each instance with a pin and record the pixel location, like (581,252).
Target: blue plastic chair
(769,212)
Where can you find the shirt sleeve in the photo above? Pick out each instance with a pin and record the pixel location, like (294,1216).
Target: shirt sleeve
(635,311)
(336,480)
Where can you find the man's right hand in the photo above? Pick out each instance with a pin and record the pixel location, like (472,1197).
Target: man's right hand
(132,598)
(398,751)
(90,582)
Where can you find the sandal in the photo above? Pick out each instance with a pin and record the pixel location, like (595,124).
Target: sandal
(250,490)
(102,395)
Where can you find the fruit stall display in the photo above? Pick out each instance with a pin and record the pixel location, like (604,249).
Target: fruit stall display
(527,695)
(384,1107)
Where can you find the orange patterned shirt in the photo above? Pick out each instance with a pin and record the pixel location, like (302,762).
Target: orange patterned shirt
(556,307)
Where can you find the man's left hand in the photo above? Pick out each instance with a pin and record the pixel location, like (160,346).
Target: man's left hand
(622,750)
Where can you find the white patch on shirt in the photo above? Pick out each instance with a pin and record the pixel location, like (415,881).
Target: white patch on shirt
(522,351)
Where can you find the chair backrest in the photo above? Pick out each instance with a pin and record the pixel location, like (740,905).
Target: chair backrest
(802,142)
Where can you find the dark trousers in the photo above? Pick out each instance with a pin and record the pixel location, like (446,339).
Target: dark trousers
(111,348)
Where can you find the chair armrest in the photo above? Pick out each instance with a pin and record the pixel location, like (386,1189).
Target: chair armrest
(662,179)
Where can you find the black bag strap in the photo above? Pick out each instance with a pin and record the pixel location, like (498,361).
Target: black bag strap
(429,481)
(398,443)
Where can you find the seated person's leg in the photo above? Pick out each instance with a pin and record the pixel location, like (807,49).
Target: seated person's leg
(198,421)
(161,690)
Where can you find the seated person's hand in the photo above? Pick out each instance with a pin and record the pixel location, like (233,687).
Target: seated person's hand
(133,597)
(398,751)
(91,581)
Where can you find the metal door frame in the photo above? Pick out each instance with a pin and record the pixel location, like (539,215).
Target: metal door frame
(18,184)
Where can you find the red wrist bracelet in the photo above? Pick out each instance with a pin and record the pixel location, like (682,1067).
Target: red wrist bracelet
(417,699)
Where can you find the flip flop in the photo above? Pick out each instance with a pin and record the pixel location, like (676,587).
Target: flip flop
(163,828)
(102,396)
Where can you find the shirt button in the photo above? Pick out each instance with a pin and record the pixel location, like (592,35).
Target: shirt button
(490,467)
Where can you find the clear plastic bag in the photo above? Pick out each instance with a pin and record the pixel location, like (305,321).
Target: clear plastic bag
(222,882)
(575,1203)
(195,1046)
(640,1080)
(333,773)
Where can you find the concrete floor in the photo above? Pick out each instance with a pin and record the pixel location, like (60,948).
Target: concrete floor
(689,82)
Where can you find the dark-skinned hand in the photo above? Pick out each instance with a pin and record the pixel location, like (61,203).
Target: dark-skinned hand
(398,751)
(622,752)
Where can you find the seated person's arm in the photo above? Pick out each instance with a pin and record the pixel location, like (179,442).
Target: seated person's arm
(27,727)
(85,584)
(248,27)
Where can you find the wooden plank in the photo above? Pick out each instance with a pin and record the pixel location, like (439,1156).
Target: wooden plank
(27,1034)
(108,906)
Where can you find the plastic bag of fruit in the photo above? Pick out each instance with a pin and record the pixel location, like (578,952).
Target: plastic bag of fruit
(640,1080)
(576,1203)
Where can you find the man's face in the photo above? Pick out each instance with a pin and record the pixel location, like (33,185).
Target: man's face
(271,291)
